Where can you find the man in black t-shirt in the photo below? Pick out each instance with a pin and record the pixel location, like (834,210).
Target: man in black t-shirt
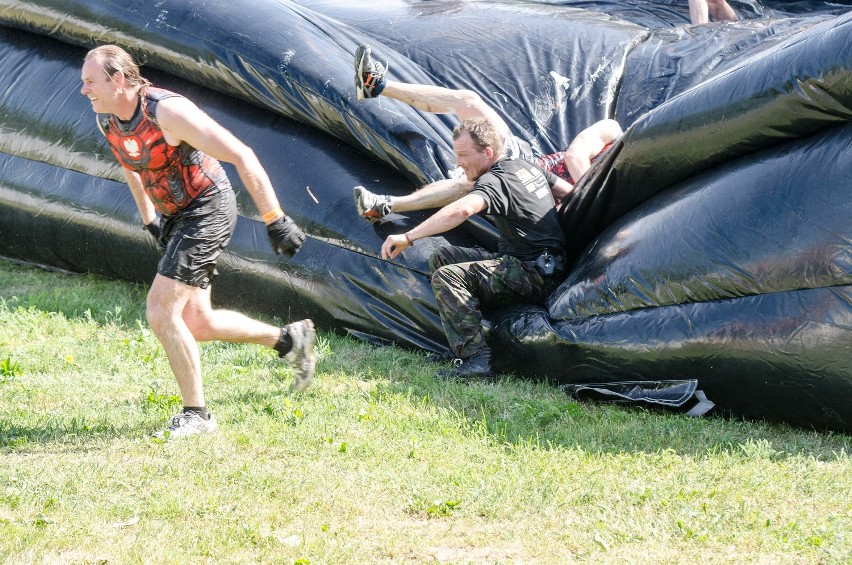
(529,264)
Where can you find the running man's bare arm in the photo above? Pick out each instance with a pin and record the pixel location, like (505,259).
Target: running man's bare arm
(143,203)
(182,120)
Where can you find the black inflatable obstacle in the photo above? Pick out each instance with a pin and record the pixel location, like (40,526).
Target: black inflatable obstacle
(711,245)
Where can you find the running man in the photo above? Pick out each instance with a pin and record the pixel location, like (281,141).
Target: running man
(169,150)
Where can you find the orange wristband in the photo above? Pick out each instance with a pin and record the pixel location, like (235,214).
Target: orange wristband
(273,215)
(408,239)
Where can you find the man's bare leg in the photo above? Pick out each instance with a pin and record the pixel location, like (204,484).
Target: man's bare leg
(588,144)
(721,11)
(464,104)
(370,82)
(207,324)
(698,12)
(435,195)
(438,194)
(181,315)
(166,301)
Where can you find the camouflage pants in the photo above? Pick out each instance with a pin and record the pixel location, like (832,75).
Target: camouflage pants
(467,280)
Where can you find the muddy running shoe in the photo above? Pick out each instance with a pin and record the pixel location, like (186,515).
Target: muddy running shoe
(369,75)
(301,355)
(188,424)
(371,206)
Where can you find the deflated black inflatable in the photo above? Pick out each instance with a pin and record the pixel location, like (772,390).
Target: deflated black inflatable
(712,244)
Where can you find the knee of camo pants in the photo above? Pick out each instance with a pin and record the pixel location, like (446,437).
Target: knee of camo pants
(453,254)
(440,257)
(459,310)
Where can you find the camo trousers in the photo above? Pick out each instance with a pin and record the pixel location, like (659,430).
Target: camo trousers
(466,280)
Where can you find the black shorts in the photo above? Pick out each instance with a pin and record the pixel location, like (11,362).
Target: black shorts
(196,236)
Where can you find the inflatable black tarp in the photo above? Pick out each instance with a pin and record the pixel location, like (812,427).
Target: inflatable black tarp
(711,243)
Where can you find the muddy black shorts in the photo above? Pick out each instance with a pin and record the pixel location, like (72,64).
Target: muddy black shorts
(195,237)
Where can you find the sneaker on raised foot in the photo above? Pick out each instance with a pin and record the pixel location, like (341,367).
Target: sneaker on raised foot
(371,206)
(301,354)
(369,75)
(188,424)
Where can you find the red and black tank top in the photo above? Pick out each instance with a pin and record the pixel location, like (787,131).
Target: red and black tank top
(173,176)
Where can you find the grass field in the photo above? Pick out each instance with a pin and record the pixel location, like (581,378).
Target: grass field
(378,462)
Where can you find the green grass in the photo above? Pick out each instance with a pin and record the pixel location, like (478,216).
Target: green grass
(378,462)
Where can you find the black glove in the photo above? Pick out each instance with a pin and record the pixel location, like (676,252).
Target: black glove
(286,237)
(154,229)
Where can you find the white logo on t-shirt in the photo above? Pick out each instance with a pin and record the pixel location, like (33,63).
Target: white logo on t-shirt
(534,182)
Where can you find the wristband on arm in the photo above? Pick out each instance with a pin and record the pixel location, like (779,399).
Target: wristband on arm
(272,215)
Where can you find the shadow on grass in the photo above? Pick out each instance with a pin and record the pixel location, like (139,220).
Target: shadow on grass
(520,411)
(74,433)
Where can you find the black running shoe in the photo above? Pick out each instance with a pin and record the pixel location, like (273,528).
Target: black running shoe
(473,369)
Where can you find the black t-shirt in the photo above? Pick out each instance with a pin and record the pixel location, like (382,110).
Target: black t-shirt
(522,207)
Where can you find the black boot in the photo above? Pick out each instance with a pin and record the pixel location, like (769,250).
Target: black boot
(444,356)
(473,369)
